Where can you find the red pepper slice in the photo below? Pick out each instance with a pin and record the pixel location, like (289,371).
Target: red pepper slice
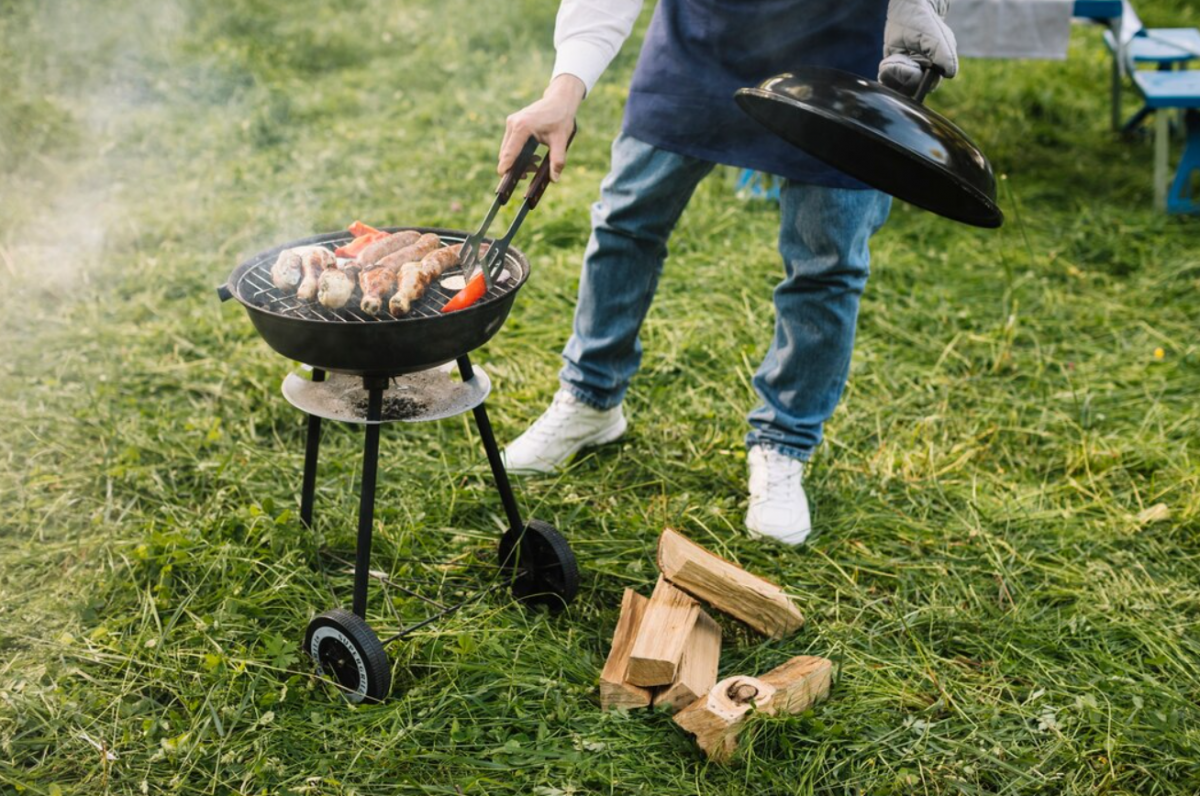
(358,229)
(355,246)
(468,295)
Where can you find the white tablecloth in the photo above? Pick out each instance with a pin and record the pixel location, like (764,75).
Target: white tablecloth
(1011,28)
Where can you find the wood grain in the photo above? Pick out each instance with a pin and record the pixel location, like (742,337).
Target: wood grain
(662,636)
(727,587)
(697,669)
(717,718)
(614,691)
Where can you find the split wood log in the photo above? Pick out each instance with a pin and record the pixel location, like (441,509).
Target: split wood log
(664,632)
(698,667)
(614,691)
(799,683)
(716,719)
(726,586)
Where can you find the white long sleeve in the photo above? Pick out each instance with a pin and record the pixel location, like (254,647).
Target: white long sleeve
(589,33)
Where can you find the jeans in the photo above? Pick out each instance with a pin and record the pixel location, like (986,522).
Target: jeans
(823,237)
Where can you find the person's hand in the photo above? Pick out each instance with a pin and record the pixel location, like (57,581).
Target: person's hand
(551,120)
(916,33)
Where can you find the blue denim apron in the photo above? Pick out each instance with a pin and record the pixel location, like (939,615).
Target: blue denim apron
(697,53)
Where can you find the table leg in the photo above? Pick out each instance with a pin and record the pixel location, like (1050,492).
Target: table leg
(1116,91)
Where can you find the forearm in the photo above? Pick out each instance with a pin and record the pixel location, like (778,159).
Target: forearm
(567,89)
(588,34)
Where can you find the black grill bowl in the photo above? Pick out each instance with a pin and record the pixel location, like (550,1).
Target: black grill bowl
(345,341)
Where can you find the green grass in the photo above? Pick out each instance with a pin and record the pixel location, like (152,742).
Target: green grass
(1007,614)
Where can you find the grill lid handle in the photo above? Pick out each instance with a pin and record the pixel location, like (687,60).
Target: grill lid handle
(223,292)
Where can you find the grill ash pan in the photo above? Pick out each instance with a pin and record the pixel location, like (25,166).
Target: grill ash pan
(349,341)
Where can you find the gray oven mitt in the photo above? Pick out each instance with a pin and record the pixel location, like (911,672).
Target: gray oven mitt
(916,33)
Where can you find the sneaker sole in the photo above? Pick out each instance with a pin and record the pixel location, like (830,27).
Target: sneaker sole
(793,538)
(602,437)
(786,539)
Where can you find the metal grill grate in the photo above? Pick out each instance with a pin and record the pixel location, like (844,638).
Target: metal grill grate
(255,287)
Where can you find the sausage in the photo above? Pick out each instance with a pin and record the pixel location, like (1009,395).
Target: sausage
(385,246)
(414,251)
(438,261)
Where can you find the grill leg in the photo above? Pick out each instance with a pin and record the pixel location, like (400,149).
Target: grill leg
(493,453)
(311,448)
(366,502)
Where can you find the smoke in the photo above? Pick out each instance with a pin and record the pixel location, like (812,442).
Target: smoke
(83,76)
(119,117)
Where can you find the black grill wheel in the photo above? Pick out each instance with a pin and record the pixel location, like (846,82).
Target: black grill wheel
(347,652)
(544,571)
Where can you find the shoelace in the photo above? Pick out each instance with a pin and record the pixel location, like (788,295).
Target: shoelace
(551,420)
(783,476)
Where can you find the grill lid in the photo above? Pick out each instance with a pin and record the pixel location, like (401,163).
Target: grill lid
(886,139)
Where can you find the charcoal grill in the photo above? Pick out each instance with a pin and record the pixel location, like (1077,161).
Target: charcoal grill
(369,371)
(351,341)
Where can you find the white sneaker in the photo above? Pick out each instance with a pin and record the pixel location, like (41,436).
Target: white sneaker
(565,428)
(778,505)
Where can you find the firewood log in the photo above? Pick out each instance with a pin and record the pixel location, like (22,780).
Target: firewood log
(614,691)
(726,586)
(697,668)
(717,718)
(664,631)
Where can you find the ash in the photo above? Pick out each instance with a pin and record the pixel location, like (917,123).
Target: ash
(426,395)
(395,407)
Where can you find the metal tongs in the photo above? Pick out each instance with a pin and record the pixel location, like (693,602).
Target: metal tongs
(468,256)
(494,263)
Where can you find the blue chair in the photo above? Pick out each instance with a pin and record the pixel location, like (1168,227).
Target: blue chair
(1098,10)
(1166,48)
(1162,92)
(757,185)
